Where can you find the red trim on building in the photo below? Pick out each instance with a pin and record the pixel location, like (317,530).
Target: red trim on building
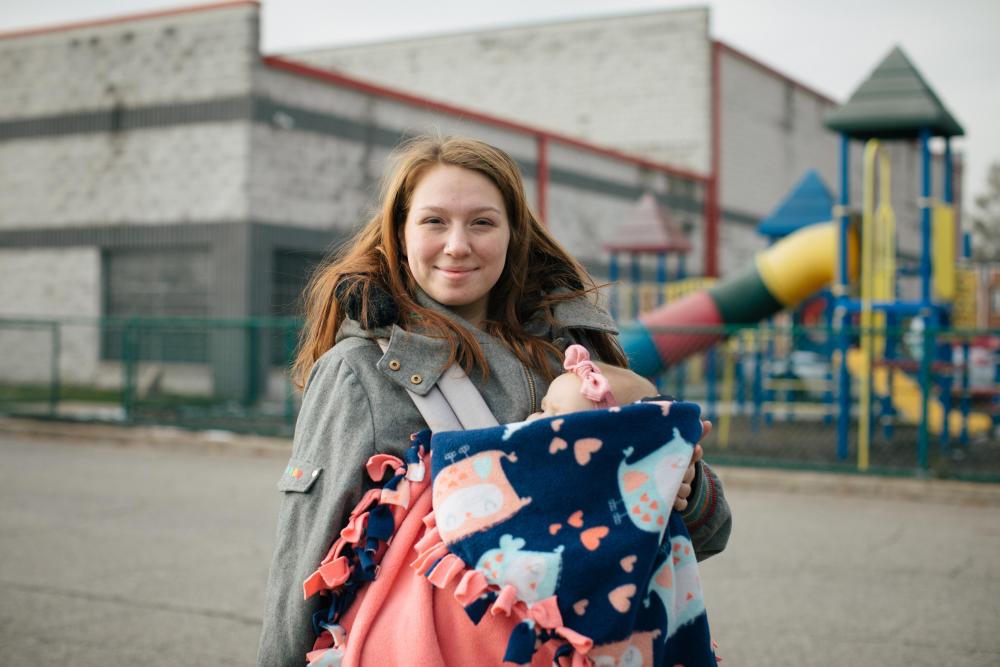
(736,53)
(126,18)
(542,178)
(338,79)
(712,208)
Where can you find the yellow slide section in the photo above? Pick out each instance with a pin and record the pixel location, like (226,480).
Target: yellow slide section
(802,263)
(905,392)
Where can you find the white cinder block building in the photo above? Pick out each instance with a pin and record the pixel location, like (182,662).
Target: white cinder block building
(158,165)
(656,84)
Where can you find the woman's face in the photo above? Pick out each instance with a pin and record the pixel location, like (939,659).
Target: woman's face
(455,238)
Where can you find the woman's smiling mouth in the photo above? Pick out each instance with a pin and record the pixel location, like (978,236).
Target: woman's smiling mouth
(456,272)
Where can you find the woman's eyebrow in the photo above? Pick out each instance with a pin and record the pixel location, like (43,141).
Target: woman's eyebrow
(440,209)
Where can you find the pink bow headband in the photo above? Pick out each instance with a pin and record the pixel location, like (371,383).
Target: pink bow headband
(593,384)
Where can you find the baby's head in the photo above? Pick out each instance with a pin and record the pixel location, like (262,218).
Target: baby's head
(588,385)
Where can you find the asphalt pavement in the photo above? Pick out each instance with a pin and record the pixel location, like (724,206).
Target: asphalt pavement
(121,547)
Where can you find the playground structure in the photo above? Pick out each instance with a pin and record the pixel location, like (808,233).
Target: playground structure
(650,234)
(849,257)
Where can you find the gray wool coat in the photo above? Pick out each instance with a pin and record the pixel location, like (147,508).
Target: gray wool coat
(356,405)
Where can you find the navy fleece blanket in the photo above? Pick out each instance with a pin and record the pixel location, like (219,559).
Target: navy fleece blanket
(575,512)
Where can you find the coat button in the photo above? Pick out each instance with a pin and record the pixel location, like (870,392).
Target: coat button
(416,379)
(394,365)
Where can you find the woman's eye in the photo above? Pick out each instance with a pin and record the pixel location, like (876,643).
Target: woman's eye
(483,222)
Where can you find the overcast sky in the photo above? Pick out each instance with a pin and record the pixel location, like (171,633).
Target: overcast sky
(830,45)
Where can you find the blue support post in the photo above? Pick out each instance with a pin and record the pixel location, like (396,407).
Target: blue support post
(949,168)
(946,381)
(949,199)
(887,409)
(925,297)
(949,196)
(829,347)
(964,437)
(681,266)
(844,218)
(927,353)
(844,385)
(768,394)
(842,297)
(758,361)
(925,217)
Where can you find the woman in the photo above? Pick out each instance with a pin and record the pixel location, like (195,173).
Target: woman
(453,267)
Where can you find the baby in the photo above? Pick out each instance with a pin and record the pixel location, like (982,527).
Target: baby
(590,385)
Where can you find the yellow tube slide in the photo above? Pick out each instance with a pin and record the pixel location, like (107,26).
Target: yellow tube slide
(803,263)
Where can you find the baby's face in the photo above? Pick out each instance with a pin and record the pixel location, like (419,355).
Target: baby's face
(563,396)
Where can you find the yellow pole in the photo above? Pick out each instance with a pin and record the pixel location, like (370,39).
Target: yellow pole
(943,235)
(867,294)
(885,275)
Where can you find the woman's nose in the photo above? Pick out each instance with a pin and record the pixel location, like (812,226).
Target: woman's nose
(458,242)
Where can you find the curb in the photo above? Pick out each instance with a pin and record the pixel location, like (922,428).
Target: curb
(170,437)
(737,478)
(943,491)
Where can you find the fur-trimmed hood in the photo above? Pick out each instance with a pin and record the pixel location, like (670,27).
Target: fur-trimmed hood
(426,356)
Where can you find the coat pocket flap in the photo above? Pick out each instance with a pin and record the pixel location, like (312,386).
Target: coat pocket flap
(299,476)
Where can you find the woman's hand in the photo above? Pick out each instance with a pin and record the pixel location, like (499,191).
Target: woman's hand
(681,503)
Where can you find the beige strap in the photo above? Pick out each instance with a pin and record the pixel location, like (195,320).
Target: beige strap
(465,400)
(454,404)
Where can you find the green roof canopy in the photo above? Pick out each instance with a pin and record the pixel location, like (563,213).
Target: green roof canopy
(894,102)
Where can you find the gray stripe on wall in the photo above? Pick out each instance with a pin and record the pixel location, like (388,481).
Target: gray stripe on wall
(740,218)
(120,119)
(242,253)
(118,236)
(265,110)
(580,181)
(175,235)
(286,116)
(290,117)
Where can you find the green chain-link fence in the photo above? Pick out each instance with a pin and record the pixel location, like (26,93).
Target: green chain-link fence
(772,393)
(191,373)
(774,397)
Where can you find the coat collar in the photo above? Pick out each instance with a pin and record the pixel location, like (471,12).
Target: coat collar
(416,361)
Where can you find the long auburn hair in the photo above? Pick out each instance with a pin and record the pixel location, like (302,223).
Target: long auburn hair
(537,273)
